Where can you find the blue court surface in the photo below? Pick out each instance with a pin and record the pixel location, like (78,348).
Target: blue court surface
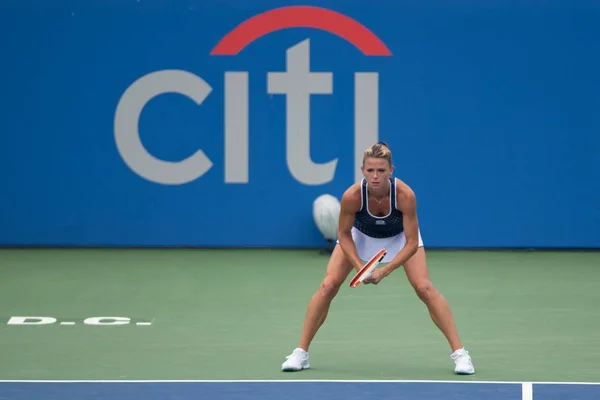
(295,390)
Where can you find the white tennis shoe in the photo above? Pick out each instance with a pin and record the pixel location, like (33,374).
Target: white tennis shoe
(463,362)
(297,361)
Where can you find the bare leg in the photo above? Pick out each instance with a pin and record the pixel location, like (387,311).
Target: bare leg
(439,310)
(338,269)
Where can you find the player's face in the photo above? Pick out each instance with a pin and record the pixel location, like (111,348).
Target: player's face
(377,172)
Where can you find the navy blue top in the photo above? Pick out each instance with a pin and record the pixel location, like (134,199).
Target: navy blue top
(378,227)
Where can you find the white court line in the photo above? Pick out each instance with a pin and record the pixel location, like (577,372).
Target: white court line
(389,381)
(527,391)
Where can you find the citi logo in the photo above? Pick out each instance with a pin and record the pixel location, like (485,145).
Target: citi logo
(297,83)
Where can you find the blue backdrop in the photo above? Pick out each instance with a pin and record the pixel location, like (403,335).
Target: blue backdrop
(491,110)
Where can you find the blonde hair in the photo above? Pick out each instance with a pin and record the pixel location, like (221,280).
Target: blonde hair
(378,150)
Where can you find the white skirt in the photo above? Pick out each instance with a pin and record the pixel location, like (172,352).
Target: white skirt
(367,246)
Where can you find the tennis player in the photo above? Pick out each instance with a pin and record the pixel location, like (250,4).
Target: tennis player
(378,212)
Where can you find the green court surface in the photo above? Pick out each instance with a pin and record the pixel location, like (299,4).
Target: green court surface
(236,314)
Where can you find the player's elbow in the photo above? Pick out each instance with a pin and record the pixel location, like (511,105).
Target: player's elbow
(412,245)
(344,234)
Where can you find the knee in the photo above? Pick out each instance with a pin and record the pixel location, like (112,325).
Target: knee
(425,290)
(329,288)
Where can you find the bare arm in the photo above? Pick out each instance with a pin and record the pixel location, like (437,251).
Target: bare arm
(407,203)
(350,204)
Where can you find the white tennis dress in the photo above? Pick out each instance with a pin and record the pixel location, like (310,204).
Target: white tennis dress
(372,233)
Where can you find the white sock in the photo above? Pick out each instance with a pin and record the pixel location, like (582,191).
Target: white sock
(459,352)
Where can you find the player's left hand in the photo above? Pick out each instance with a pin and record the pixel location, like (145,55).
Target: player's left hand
(375,276)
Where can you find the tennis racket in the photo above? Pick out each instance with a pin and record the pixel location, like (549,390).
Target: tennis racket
(367,268)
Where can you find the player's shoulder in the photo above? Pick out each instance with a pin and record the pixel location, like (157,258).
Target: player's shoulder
(351,197)
(404,193)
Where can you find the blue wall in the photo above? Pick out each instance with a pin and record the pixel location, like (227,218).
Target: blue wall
(492,112)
